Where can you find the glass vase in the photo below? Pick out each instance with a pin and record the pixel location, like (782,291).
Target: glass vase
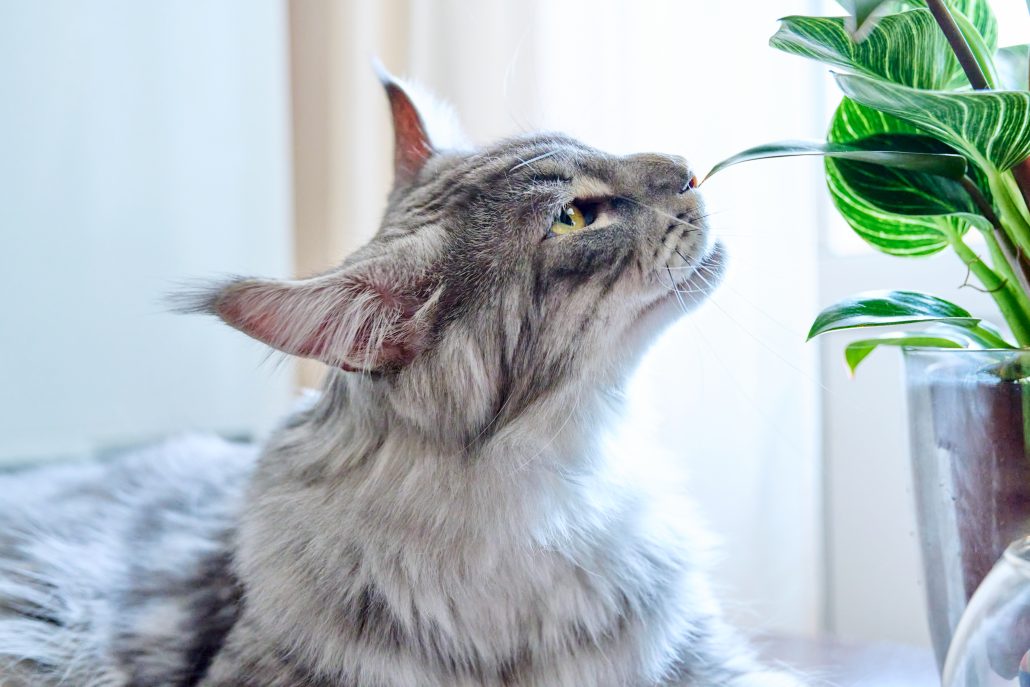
(968,413)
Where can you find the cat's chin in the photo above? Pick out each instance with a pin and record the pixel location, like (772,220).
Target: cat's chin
(689,293)
(685,296)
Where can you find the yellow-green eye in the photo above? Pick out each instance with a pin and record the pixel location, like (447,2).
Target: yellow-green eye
(571,219)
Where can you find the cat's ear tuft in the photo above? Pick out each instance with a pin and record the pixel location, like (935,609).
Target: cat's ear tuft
(348,322)
(412,145)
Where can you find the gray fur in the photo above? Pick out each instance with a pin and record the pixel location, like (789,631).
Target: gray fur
(447,513)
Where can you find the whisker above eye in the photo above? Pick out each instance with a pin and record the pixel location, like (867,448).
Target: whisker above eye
(531,160)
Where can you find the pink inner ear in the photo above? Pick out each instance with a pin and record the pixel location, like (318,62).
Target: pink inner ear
(307,320)
(411,142)
(268,321)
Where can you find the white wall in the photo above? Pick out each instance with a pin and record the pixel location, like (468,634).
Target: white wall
(143,143)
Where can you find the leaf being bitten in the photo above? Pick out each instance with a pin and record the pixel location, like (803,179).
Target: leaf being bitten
(947,164)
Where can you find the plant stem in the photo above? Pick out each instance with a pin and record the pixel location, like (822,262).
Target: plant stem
(975,74)
(1000,289)
(1003,267)
(958,43)
(1022,174)
(1015,258)
(1016,216)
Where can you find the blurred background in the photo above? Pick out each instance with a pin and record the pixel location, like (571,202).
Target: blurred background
(144,144)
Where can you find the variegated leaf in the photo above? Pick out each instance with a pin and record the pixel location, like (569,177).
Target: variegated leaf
(885,208)
(906,48)
(991,127)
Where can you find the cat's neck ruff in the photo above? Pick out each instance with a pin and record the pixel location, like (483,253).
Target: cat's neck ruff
(513,480)
(466,550)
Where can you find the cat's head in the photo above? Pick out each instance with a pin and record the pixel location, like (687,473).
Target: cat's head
(499,278)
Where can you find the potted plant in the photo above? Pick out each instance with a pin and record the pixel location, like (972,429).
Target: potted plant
(928,149)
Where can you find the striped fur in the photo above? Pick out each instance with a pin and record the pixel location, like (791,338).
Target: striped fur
(449,511)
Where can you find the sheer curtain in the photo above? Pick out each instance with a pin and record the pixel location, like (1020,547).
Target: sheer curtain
(731,390)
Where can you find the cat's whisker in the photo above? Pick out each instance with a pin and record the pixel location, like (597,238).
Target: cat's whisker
(662,213)
(754,336)
(541,156)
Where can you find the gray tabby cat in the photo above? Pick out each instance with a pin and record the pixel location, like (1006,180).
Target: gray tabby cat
(445,514)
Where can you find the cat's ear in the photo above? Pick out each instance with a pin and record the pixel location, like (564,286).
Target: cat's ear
(412,146)
(354,322)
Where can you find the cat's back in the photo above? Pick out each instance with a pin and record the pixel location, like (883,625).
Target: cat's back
(117,573)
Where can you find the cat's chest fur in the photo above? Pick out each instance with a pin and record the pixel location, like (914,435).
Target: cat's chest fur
(382,563)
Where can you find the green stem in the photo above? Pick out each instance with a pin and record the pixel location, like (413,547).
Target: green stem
(1016,315)
(1015,216)
(1003,265)
(1005,251)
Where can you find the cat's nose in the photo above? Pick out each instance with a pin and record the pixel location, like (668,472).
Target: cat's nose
(665,174)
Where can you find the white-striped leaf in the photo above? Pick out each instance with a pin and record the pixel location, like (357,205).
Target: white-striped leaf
(876,204)
(863,15)
(991,127)
(906,48)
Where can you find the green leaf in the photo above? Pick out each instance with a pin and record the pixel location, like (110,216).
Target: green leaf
(857,351)
(864,200)
(948,164)
(883,308)
(907,48)
(992,127)
(1013,65)
(904,191)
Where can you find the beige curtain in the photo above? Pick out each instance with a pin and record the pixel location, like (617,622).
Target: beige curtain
(341,131)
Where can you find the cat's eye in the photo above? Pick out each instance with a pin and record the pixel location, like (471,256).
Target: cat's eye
(573,217)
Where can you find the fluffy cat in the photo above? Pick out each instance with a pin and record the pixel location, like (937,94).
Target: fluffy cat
(446,513)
